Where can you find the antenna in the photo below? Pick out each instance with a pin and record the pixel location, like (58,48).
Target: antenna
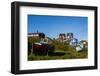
(33,30)
(37,31)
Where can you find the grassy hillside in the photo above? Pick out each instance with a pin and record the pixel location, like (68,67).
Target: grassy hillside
(62,51)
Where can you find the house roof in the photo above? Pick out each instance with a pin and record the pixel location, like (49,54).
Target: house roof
(62,34)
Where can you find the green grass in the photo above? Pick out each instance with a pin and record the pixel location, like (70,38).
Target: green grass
(59,54)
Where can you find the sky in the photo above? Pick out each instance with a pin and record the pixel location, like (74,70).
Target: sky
(51,26)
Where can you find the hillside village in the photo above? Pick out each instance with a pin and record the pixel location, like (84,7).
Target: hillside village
(65,46)
(67,38)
